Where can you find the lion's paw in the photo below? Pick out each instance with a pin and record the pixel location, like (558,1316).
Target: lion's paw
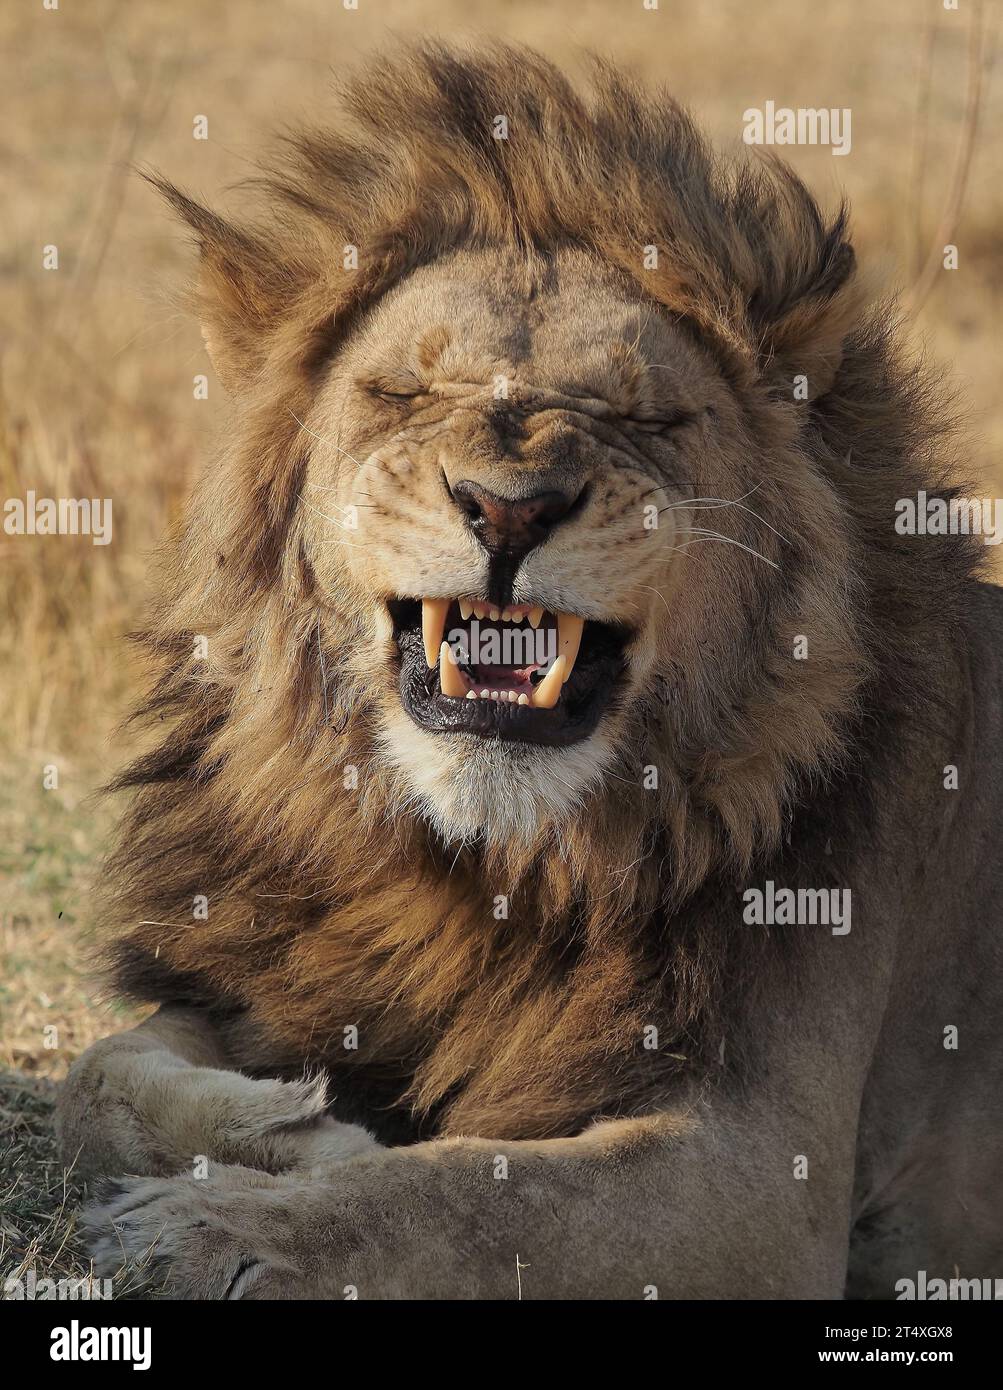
(152,1113)
(216,1238)
(277,1126)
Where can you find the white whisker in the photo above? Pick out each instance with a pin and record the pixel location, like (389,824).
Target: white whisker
(658,591)
(319,487)
(704,535)
(714,502)
(322,439)
(334,521)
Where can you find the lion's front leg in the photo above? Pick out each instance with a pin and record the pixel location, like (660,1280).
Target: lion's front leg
(632,1209)
(160,1098)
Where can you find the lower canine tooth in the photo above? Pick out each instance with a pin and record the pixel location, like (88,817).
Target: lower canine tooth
(548,692)
(433,620)
(569,638)
(451,682)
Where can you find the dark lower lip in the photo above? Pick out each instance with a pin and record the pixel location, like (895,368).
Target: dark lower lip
(590,693)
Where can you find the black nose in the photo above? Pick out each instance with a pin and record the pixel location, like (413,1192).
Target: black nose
(507,526)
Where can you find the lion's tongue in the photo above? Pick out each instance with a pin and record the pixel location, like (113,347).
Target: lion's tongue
(508,675)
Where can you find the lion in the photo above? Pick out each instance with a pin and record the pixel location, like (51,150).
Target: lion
(541,633)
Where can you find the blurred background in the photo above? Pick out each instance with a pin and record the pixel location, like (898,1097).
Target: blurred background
(97,365)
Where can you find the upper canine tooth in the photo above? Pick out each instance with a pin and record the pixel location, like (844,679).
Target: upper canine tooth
(451,682)
(548,692)
(466,608)
(433,620)
(569,638)
(535,617)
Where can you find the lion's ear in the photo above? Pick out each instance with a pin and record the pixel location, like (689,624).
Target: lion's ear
(804,316)
(242,290)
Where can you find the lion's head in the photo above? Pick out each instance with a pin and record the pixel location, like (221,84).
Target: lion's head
(498,493)
(551,550)
(545,410)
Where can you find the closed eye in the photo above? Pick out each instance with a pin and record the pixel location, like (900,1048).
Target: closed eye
(393,388)
(395,395)
(661,424)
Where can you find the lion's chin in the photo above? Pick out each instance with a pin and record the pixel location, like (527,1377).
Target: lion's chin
(501,793)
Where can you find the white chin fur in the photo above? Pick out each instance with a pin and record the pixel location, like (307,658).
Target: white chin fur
(468,787)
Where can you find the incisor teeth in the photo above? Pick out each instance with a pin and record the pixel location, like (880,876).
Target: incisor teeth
(433,620)
(451,682)
(548,692)
(466,608)
(535,617)
(569,638)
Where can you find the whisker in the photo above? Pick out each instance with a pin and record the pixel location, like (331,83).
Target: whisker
(658,591)
(714,502)
(704,535)
(320,487)
(322,438)
(334,521)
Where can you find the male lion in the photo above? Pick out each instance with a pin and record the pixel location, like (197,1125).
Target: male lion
(457,951)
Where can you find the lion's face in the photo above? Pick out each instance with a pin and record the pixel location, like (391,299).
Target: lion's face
(499,459)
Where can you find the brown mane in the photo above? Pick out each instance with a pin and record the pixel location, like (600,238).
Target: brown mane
(331,907)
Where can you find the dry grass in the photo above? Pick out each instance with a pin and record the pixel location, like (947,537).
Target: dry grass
(37,1197)
(96,366)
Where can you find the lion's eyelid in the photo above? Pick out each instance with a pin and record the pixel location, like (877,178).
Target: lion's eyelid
(392,388)
(656,423)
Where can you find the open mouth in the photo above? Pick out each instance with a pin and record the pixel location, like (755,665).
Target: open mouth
(520,672)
